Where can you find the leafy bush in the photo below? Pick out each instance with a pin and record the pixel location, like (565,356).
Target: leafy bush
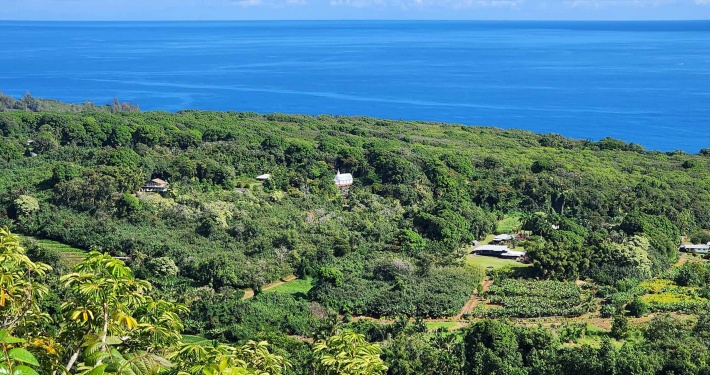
(692,274)
(638,307)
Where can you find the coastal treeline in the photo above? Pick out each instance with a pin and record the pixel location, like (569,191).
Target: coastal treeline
(606,213)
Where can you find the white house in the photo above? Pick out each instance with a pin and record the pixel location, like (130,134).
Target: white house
(263,177)
(343,179)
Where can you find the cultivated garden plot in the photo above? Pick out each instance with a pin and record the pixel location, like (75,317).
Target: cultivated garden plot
(534,298)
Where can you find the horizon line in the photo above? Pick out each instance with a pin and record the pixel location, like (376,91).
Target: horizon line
(364,20)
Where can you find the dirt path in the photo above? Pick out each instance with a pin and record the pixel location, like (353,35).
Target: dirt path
(474,300)
(250,293)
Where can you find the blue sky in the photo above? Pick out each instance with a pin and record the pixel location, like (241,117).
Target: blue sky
(353,9)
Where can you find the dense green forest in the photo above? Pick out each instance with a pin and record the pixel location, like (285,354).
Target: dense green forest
(603,222)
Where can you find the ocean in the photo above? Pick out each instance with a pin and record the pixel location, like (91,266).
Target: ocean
(643,82)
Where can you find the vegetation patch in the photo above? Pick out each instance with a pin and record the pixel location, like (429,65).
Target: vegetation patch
(436,325)
(297,287)
(533,298)
(509,224)
(487,262)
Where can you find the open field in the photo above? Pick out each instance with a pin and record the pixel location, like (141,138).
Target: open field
(448,325)
(486,261)
(294,287)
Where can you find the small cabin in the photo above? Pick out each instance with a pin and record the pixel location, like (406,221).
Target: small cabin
(155,185)
(263,177)
(343,179)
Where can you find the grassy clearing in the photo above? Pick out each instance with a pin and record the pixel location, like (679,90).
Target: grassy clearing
(509,224)
(436,325)
(495,263)
(295,287)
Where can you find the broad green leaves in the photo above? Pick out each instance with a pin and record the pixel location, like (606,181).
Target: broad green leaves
(348,353)
(22,355)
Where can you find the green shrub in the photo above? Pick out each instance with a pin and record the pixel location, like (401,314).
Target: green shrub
(638,307)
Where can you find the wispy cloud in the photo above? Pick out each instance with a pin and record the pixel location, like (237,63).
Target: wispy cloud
(357,3)
(600,4)
(248,3)
(492,3)
(419,4)
(268,3)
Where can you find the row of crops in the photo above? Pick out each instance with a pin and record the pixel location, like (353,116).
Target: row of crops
(534,298)
(70,255)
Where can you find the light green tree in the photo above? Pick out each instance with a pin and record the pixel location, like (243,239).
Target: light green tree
(348,353)
(253,358)
(20,293)
(25,205)
(112,321)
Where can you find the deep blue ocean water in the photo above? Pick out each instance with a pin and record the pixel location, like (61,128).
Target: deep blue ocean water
(643,82)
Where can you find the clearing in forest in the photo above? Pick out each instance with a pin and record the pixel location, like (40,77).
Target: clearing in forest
(292,285)
(487,261)
(70,255)
(283,286)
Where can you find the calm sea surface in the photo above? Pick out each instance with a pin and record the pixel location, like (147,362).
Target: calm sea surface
(644,82)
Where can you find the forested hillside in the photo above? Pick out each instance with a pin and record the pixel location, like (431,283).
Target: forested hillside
(607,213)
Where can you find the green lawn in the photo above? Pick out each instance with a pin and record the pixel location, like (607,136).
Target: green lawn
(486,261)
(296,287)
(436,325)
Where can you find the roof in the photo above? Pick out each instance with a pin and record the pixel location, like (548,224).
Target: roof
(513,254)
(503,237)
(499,248)
(159,181)
(264,176)
(703,247)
